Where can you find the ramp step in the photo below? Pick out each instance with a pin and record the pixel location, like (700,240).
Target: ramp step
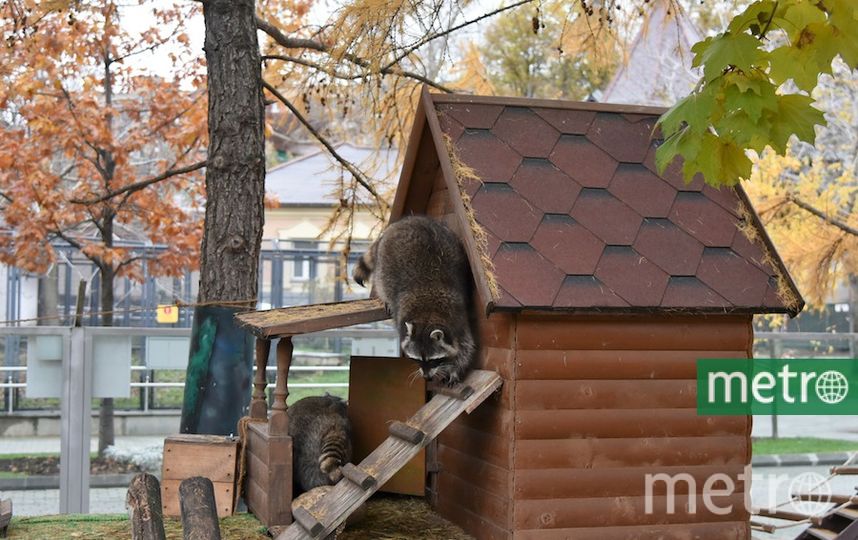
(845,469)
(459,391)
(822,534)
(835,498)
(849,513)
(781,514)
(403,431)
(358,476)
(308,521)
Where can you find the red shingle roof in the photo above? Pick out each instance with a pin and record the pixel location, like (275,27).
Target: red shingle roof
(578,218)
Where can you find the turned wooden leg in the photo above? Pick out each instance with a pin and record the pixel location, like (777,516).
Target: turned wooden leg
(258,403)
(279,423)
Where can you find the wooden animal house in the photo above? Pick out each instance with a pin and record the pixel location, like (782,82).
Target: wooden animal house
(602,282)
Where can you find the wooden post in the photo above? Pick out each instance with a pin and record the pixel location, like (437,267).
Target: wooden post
(144,502)
(279,423)
(259,404)
(199,510)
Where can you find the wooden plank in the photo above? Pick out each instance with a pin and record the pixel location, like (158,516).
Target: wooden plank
(414,188)
(381,390)
(459,391)
(476,471)
(393,453)
(475,525)
(409,163)
(314,318)
(256,500)
(257,440)
(213,460)
(224,493)
(607,423)
(439,203)
(727,451)
(616,482)
(457,202)
(724,332)
(734,530)
(605,394)
(624,511)
(613,364)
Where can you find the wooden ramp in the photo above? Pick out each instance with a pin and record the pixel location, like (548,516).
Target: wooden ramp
(405,441)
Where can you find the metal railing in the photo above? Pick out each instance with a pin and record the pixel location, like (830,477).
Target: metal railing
(144,378)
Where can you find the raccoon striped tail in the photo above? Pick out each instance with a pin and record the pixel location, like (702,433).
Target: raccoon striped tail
(363,268)
(336,452)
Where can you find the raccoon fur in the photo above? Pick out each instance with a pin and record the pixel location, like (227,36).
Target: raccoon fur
(420,270)
(321,441)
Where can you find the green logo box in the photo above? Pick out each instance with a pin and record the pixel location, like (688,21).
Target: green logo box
(784,386)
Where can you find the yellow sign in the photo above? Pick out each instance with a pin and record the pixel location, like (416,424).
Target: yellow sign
(167,314)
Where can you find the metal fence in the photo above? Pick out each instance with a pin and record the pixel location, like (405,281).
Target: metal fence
(287,276)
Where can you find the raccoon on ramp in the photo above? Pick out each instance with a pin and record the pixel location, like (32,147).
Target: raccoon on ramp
(419,268)
(321,441)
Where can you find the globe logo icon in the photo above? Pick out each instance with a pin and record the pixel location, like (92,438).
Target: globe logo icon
(815,485)
(832,387)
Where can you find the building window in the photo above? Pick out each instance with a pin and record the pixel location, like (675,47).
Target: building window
(301,266)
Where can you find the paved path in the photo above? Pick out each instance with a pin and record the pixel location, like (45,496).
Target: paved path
(823,427)
(44,445)
(47,501)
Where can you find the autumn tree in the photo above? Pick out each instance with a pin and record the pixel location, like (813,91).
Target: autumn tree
(808,198)
(547,53)
(92,150)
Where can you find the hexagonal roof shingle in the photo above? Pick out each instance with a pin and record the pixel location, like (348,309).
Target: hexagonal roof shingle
(577,217)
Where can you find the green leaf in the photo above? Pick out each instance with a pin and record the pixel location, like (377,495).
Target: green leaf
(759,95)
(718,53)
(795,115)
(755,15)
(693,110)
(720,162)
(681,143)
(743,130)
(804,60)
(799,16)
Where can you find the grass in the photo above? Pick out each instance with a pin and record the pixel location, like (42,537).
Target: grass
(8,474)
(92,455)
(393,518)
(801,445)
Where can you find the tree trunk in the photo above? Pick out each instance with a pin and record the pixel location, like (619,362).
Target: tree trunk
(217,387)
(106,434)
(48,302)
(235,174)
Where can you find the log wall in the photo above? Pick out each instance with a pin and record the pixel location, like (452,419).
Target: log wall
(600,402)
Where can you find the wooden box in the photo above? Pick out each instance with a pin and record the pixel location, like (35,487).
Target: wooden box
(210,456)
(382,390)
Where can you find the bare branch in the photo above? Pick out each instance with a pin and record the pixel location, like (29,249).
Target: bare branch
(137,186)
(338,75)
(822,215)
(349,166)
(433,37)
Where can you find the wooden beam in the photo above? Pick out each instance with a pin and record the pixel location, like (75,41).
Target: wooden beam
(259,403)
(144,501)
(315,318)
(358,476)
(279,422)
(407,433)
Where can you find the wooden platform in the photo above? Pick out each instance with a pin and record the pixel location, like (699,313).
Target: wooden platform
(406,440)
(297,320)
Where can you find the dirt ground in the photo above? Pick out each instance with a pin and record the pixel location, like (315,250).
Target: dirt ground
(50,466)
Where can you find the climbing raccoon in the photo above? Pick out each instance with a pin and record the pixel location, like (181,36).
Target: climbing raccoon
(321,441)
(419,269)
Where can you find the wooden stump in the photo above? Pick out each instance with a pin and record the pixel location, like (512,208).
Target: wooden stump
(5,516)
(144,502)
(199,512)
